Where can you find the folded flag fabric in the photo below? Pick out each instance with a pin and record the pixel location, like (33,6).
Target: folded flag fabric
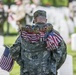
(52,38)
(6,61)
(32,37)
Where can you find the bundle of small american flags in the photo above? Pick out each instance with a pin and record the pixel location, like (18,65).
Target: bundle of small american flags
(6,61)
(52,40)
(32,37)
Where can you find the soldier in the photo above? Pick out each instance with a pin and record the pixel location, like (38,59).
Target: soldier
(18,13)
(39,49)
(2,17)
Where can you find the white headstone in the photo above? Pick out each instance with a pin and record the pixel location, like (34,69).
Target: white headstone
(73,41)
(5,8)
(67,67)
(74,21)
(2,72)
(70,24)
(1,40)
(13,8)
(64,30)
(2,48)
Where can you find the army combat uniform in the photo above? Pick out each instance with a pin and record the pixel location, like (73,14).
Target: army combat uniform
(2,18)
(31,52)
(35,59)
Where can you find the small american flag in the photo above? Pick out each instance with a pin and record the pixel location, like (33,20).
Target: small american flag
(32,37)
(53,40)
(6,61)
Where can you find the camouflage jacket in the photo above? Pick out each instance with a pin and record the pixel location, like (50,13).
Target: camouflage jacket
(35,59)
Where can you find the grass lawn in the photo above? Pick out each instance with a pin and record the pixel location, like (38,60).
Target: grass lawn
(9,40)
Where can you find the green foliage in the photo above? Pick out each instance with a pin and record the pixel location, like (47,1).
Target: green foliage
(59,3)
(56,3)
(47,2)
(7,1)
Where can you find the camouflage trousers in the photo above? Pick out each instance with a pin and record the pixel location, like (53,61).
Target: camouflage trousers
(33,73)
(1,29)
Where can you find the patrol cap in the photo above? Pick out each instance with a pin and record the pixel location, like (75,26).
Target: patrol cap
(40,13)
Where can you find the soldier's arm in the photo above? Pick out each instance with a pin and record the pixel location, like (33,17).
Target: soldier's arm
(15,51)
(62,51)
(59,55)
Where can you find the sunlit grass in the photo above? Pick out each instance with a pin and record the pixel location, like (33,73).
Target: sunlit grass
(15,70)
(11,29)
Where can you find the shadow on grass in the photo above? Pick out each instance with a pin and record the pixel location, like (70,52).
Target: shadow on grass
(10,34)
(75,71)
(74,56)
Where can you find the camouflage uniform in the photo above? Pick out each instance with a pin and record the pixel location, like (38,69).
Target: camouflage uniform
(2,18)
(35,59)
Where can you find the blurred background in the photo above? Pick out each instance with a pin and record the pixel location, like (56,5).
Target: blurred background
(60,13)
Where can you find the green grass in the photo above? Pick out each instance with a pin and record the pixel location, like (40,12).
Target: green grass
(9,40)
(11,29)
(15,70)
